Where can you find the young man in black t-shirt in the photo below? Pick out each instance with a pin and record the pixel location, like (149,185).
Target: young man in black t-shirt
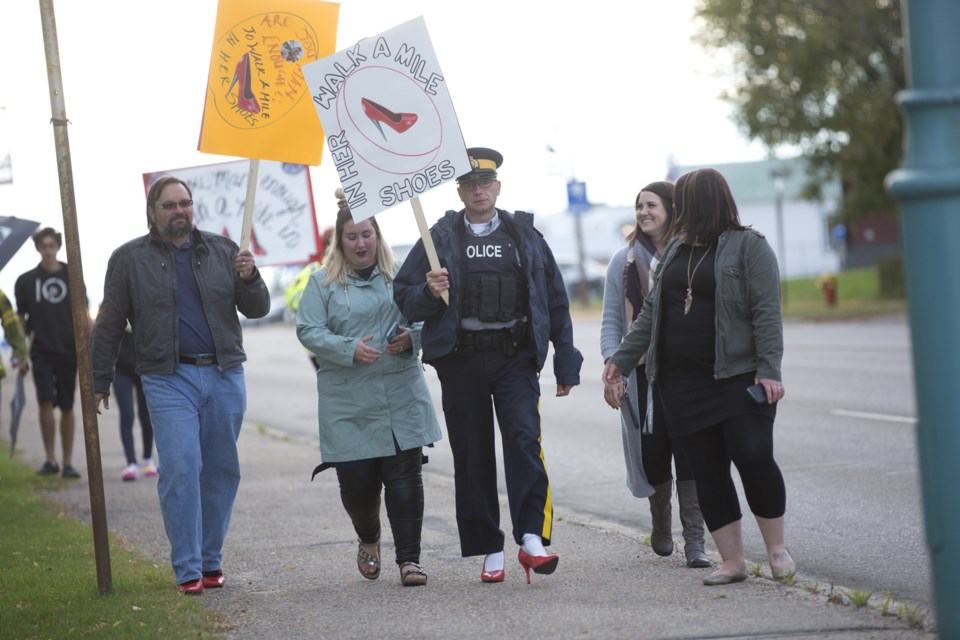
(43,302)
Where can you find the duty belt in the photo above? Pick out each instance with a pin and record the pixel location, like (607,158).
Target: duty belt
(508,341)
(485,340)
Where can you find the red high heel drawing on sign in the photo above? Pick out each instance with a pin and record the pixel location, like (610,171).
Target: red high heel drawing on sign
(399,122)
(255,247)
(245,98)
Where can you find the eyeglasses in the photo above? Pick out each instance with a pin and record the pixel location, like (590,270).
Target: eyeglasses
(477,184)
(172,206)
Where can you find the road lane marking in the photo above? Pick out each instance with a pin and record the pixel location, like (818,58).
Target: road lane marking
(886,417)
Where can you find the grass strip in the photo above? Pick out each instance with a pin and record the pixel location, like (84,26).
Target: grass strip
(858,297)
(48,579)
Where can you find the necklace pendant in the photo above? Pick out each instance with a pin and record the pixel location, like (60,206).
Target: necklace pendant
(688,301)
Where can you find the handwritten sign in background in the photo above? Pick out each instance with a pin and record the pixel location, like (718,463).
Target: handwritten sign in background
(284,221)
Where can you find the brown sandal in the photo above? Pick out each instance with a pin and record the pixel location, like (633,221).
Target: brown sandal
(412,574)
(367,561)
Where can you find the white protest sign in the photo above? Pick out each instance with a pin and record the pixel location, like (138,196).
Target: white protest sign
(284,228)
(388,119)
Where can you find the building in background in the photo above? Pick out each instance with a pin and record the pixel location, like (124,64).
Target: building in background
(871,239)
(604,229)
(808,246)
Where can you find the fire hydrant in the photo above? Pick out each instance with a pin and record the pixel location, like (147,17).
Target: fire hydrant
(828,285)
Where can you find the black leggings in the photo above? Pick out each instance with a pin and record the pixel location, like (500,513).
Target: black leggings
(747,441)
(400,476)
(657,449)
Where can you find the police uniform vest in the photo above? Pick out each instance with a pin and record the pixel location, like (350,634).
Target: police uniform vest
(495,291)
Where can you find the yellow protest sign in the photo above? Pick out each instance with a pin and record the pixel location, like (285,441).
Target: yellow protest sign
(257,102)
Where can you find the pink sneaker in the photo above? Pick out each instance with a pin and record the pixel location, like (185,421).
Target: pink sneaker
(149,468)
(130,473)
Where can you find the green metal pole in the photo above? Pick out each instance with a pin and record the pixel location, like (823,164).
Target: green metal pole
(928,187)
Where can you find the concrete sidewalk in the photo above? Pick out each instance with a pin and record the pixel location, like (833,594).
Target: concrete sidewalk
(291,573)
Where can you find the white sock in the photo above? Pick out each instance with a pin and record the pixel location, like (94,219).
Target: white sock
(533,545)
(493,561)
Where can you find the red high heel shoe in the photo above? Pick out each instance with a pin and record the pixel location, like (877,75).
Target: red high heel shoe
(539,564)
(490,576)
(399,122)
(245,98)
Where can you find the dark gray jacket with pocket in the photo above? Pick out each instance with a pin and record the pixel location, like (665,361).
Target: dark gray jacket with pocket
(141,286)
(749,327)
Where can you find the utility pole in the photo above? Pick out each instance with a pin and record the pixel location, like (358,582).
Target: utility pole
(578,205)
(779,175)
(68,204)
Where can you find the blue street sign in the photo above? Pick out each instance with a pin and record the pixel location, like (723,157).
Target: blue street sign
(577,196)
(838,234)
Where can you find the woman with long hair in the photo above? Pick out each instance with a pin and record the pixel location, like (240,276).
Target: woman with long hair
(375,412)
(712,333)
(647,447)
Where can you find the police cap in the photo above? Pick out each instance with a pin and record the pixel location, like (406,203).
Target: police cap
(484,163)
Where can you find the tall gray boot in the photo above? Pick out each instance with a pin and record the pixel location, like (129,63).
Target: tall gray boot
(661,538)
(692,521)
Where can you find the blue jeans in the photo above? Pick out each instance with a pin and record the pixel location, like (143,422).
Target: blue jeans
(124,388)
(196,414)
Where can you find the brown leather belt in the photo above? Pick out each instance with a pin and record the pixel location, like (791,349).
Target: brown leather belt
(204,361)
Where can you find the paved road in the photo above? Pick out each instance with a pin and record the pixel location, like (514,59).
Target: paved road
(845,441)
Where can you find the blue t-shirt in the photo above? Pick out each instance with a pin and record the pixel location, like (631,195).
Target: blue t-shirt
(195,336)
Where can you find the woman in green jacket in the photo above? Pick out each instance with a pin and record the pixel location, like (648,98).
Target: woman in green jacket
(375,411)
(711,328)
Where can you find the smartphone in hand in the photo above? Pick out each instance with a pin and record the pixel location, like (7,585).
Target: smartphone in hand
(393,331)
(758,393)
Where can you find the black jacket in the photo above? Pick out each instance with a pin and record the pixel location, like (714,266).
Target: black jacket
(549,309)
(141,286)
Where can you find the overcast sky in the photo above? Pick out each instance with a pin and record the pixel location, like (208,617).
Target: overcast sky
(614,88)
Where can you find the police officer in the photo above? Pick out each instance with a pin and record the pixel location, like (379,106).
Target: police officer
(507,302)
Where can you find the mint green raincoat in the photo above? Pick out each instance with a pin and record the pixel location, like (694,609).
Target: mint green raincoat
(362,408)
